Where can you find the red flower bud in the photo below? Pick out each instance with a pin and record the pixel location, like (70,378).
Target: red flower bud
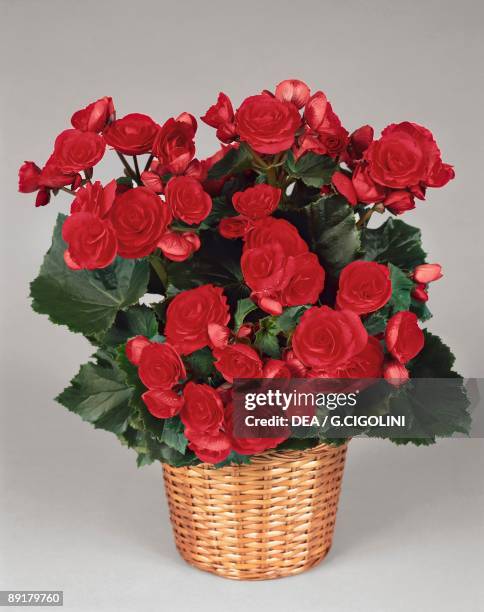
(163,404)
(315,110)
(293,91)
(235,227)
(134,348)
(28,177)
(43,197)
(345,187)
(427,273)
(178,246)
(403,336)
(399,202)
(152,181)
(360,140)
(419,293)
(218,334)
(95,116)
(395,372)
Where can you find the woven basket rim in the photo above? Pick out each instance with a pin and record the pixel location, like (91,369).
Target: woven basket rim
(289,454)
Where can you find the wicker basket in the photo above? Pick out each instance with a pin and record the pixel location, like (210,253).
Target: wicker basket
(272,518)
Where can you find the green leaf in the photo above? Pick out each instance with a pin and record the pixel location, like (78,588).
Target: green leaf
(402,287)
(87,301)
(328,226)
(217,261)
(394,242)
(435,360)
(221,208)
(420,309)
(236,160)
(125,181)
(200,363)
(266,338)
(244,307)
(314,170)
(173,435)
(136,321)
(288,320)
(376,322)
(99,394)
(434,401)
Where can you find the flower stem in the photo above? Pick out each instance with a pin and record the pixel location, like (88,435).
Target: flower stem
(129,171)
(159,268)
(67,190)
(148,163)
(136,167)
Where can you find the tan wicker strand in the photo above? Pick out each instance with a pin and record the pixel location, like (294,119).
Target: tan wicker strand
(271,518)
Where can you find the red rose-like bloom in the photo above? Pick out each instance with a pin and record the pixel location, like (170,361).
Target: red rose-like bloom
(209,448)
(293,90)
(366,364)
(238,361)
(189,315)
(267,124)
(94,198)
(367,191)
(174,146)
(276,368)
(160,366)
(221,117)
(52,176)
(257,202)
(406,155)
(235,227)
(163,404)
(305,283)
(140,218)
(91,241)
(178,246)
(266,268)
(345,187)
(364,286)
(403,336)
(326,338)
(276,230)
(132,135)
(203,410)
(427,273)
(187,199)
(95,116)
(134,348)
(28,177)
(247,446)
(75,150)
(333,141)
(315,110)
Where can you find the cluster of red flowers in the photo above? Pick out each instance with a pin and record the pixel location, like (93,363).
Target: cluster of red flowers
(327,343)
(150,214)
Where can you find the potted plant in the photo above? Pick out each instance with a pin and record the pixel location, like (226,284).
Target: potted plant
(257,262)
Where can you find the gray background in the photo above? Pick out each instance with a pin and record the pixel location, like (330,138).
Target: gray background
(75,514)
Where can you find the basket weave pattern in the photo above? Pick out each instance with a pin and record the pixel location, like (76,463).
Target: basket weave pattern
(272,518)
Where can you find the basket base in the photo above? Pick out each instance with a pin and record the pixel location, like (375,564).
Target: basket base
(269,519)
(259,574)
